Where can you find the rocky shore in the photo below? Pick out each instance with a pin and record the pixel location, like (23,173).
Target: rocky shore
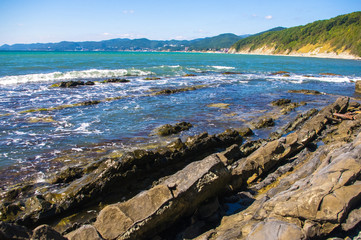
(302,182)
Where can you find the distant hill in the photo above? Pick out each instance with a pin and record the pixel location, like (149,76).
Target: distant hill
(211,43)
(336,37)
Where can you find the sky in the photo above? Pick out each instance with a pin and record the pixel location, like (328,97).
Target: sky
(33,21)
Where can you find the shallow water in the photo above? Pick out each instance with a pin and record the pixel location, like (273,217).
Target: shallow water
(32,142)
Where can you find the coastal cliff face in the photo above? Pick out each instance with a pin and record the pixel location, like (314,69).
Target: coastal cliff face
(307,51)
(303,182)
(334,38)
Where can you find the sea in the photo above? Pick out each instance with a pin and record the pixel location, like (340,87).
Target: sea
(43,130)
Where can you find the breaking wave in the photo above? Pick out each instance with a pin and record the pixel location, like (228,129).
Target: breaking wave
(85,74)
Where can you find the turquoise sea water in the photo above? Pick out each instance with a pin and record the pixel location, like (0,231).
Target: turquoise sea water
(30,146)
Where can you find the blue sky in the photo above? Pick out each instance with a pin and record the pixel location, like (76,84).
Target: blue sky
(30,21)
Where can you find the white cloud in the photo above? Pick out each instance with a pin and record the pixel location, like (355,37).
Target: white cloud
(269,17)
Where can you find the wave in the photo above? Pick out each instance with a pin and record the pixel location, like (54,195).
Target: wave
(223,67)
(85,74)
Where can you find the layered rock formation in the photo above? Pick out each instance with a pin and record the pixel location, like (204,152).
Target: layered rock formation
(304,182)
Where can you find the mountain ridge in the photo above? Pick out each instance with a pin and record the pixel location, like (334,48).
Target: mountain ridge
(222,41)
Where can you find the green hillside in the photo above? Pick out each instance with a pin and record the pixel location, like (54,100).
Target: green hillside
(341,34)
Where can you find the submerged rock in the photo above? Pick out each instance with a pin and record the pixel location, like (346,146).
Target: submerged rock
(116,80)
(281,102)
(305,91)
(168,129)
(219,105)
(264,122)
(279,73)
(152,78)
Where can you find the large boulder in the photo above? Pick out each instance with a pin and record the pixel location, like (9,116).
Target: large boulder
(152,211)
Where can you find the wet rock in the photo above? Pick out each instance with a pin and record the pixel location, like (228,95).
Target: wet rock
(219,105)
(280,102)
(67,175)
(244,131)
(152,78)
(70,84)
(151,211)
(45,232)
(358,86)
(189,75)
(177,90)
(264,122)
(47,119)
(168,129)
(116,80)
(305,91)
(231,73)
(279,73)
(89,103)
(13,231)
(329,74)
(89,83)
(86,232)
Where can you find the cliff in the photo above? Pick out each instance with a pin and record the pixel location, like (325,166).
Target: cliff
(338,37)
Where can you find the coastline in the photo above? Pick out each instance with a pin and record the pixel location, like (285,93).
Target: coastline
(268,52)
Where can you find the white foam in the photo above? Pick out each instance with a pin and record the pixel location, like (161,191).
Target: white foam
(223,67)
(85,74)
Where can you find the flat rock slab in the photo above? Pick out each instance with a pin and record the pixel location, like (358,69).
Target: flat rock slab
(151,211)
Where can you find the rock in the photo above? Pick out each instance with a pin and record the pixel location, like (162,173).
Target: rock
(177,90)
(89,83)
(219,105)
(358,86)
(168,129)
(279,73)
(13,231)
(280,102)
(151,211)
(270,154)
(85,232)
(352,220)
(329,74)
(116,80)
(69,84)
(45,232)
(231,73)
(67,175)
(230,154)
(47,119)
(264,122)
(305,91)
(189,75)
(276,230)
(152,78)
(244,131)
